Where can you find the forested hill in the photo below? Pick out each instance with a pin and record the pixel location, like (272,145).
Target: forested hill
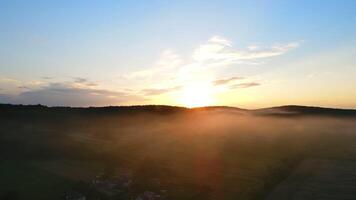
(283,111)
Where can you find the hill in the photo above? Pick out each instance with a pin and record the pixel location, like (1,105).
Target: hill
(295,110)
(283,111)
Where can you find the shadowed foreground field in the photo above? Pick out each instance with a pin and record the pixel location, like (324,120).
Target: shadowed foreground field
(319,179)
(205,153)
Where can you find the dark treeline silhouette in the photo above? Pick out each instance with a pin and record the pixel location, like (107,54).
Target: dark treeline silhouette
(289,110)
(162,109)
(295,110)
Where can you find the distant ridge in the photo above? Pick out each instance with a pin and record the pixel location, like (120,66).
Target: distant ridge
(219,108)
(159,109)
(297,110)
(279,111)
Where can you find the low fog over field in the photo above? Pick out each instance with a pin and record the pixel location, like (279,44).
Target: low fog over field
(178,153)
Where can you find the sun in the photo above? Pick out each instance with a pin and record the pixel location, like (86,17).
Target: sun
(197,95)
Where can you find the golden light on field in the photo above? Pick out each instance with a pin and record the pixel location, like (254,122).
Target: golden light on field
(197,95)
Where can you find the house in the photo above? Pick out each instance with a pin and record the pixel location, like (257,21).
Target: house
(148,195)
(112,186)
(73,195)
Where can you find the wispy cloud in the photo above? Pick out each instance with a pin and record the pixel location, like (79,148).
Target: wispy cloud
(216,53)
(62,94)
(9,80)
(12,85)
(80,80)
(167,63)
(47,77)
(83,82)
(171,73)
(76,91)
(244,85)
(24,87)
(202,67)
(227,80)
(153,91)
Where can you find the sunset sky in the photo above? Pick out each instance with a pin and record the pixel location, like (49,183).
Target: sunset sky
(249,54)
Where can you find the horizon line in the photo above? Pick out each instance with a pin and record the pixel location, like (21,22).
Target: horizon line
(175,106)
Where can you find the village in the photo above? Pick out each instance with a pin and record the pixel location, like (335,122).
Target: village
(105,187)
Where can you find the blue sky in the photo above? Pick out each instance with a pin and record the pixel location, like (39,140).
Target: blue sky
(48,45)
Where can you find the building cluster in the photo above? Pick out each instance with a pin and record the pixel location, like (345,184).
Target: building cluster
(104,187)
(148,195)
(74,195)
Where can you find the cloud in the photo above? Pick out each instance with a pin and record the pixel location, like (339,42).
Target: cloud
(10,85)
(216,53)
(220,40)
(7,98)
(244,85)
(83,82)
(201,67)
(219,51)
(152,92)
(24,87)
(63,94)
(226,81)
(9,80)
(79,80)
(167,63)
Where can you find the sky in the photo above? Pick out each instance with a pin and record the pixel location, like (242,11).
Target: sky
(249,54)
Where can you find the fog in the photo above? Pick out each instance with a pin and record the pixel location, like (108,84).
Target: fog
(195,154)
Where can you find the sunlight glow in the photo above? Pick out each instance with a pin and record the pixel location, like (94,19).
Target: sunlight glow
(197,95)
